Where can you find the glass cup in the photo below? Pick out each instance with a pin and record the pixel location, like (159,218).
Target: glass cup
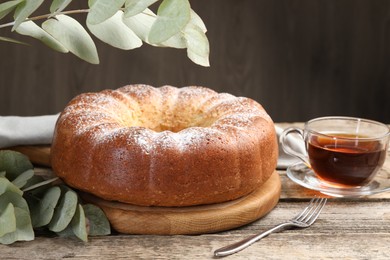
(342,151)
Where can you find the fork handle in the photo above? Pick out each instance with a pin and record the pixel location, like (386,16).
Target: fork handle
(240,245)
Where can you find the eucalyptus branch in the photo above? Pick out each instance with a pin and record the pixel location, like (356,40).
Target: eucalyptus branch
(123,24)
(46,16)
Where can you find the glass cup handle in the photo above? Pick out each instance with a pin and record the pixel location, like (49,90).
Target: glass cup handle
(286,144)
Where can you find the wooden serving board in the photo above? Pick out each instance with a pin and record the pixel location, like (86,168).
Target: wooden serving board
(38,154)
(131,219)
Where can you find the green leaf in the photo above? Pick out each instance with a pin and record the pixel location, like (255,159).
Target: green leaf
(64,212)
(101,10)
(77,227)
(141,23)
(7,7)
(14,163)
(134,7)
(78,224)
(97,221)
(43,211)
(23,178)
(24,230)
(59,5)
(15,198)
(72,36)
(197,21)
(10,194)
(197,45)
(176,41)
(24,10)
(115,33)
(67,232)
(7,220)
(29,28)
(172,17)
(7,186)
(91,3)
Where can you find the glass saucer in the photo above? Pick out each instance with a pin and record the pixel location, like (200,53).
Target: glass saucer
(304,176)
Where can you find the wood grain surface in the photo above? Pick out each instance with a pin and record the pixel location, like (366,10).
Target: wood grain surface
(300,59)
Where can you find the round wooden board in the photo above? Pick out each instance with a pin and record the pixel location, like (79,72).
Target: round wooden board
(131,219)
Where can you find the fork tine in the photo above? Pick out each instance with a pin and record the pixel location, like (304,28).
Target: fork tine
(317,211)
(311,208)
(307,210)
(312,211)
(304,212)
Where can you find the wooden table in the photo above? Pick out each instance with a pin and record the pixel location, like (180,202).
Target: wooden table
(356,228)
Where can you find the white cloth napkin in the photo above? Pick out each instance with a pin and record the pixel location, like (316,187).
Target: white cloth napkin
(15,130)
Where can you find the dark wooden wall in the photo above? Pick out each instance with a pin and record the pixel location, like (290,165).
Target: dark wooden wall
(298,58)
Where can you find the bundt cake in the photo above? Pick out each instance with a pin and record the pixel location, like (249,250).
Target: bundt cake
(164,146)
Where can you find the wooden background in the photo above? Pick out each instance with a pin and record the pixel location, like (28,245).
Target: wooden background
(298,58)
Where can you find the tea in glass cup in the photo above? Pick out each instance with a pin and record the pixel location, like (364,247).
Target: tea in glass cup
(342,151)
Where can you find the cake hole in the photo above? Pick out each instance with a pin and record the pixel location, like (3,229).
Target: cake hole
(169,120)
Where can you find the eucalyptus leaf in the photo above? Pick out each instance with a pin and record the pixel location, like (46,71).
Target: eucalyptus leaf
(172,17)
(43,211)
(91,3)
(115,33)
(29,28)
(59,5)
(16,199)
(141,23)
(7,186)
(23,178)
(97,221)
(7,220)
(197,21)
(24,230)
(67,232)
(24,10)
(11,195)
(177,41)
(134,7)
(72,35)
(64,212)
(101,10)
(78,224)
(197,45)
(7,7)
(14,163)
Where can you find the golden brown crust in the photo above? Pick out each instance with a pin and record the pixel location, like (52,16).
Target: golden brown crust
(164,146)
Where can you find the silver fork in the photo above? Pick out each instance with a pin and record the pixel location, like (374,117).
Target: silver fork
(303,220)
